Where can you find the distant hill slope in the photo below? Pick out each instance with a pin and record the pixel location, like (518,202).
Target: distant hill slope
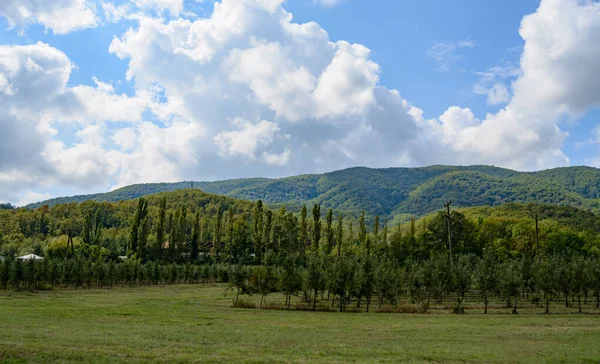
(395,191)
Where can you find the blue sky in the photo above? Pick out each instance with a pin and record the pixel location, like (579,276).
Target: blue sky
(165,90)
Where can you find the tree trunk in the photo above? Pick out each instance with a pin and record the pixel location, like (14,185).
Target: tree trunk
(547,305)
(237,296)
(514,311)
(579,302)
(485,303)
(315,300)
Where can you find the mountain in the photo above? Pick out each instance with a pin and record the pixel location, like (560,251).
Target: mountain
(394,192)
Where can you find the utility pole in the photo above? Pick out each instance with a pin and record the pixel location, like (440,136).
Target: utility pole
(447,206)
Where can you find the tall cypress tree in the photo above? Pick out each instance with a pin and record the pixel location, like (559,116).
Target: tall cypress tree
(266,235)
(160,229)
(195,238)
(258,230)
(329,231)
(172,234)
(339,237)
(316,226)
(143,232)
(303,226)
(362,232)
(140,214)
(230,238)
(218,229)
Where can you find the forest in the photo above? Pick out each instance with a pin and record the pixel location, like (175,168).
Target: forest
(323,261)
(391,193)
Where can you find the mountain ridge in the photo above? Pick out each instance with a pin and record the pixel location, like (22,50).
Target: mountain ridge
(392,192)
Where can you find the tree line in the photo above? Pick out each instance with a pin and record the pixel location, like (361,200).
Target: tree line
(315,255)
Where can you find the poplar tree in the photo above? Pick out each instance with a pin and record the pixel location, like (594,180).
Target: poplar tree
(160,229)
(140,214)
(339,237)
(143,232)
(181,232)
(258,230)
(218,228)
(195,237)
(329,231)
(230,239)
(362,229)
(316,226)
(303,227)
(266,234)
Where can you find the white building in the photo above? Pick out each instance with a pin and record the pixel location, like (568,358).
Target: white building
(30,257)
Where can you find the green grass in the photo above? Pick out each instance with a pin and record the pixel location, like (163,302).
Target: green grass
(195,323)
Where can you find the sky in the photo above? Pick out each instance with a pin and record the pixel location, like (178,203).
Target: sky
(100,94)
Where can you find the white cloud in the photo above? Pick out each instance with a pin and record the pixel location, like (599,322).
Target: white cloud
(125,138)
(498,94)
(298,102)
(38,97)
(31,197)
(446,54)
(247,138)
(61,16)
(173,6)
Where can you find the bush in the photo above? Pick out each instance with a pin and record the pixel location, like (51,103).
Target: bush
(242,303)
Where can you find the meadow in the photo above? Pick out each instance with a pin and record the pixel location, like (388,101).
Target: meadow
(186,323)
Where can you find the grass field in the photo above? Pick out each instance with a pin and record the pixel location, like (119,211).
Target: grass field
(185,323)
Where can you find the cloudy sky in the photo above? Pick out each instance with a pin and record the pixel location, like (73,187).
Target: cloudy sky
(95,95)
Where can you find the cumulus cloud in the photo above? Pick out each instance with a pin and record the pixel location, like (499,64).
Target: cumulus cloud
(60,16)
(498,94)
(247,138)
(173,6)
(37,97)
(248,86)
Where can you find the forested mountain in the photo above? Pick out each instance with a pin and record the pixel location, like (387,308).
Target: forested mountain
(394,192)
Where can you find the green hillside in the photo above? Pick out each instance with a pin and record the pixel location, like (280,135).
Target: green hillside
(394,192)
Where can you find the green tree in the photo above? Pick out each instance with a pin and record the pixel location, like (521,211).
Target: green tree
(291,278)
(486,277)
(316,233)
(362,229)
(304,227)
(5,269)
(546,278)
(17,273)
(582,278)
(339,235)
(218,230)
(510,282)
(315,277)
(140,214)
(329,233)
(258,230)
(195,238)
(461,280)
(240,282)
(160,229)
